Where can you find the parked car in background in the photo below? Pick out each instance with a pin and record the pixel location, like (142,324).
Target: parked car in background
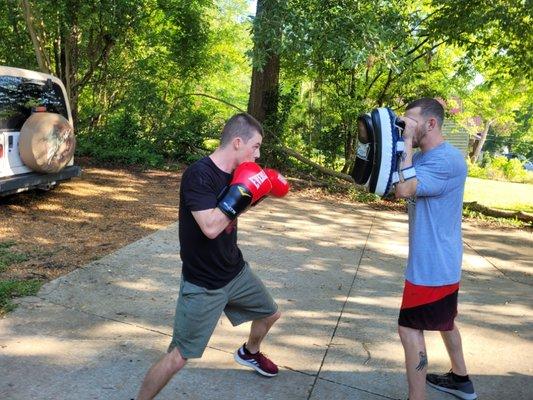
(37,139)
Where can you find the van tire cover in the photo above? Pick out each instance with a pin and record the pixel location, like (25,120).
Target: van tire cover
(46,142)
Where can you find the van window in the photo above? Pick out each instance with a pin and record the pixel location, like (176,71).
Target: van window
(18,96)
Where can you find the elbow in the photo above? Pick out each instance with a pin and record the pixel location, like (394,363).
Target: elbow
(399,194)
(213,229)
(211,232)
(403,192)
(406,189)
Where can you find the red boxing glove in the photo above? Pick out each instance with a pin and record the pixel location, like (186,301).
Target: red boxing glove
(249,184)
(280,186)
(253,178)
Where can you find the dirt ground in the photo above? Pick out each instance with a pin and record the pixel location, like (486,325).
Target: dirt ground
(91,216)
(85,218)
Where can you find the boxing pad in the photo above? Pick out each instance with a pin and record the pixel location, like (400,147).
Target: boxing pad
(379,150)
(364,159)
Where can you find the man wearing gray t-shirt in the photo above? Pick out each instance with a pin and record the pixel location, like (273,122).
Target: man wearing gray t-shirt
(435,201)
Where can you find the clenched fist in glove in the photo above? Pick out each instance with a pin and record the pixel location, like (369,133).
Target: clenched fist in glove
(249,184)
(280,186)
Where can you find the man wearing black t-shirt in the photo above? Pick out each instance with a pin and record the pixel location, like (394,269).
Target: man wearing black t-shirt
(215,277)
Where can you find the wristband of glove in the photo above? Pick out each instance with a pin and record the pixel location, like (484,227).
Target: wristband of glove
(407,173)
(234,200)
(404,175)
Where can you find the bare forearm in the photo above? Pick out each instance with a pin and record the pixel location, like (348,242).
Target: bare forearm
(212,222)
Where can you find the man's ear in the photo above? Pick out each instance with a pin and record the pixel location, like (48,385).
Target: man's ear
(432,123)
(237,142)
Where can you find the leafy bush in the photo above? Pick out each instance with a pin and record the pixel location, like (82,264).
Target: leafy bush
(120,140)
(476,171)
(125,140)
(495,168)
(514,171)
(500,168)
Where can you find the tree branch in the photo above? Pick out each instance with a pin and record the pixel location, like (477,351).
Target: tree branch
(417,47)
(380,72)
(384,91)
(104,55)
(283,148)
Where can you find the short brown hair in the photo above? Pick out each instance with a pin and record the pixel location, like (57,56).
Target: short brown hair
(429,108)
(241,125)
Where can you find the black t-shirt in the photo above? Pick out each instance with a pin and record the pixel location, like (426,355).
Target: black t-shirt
(209,263)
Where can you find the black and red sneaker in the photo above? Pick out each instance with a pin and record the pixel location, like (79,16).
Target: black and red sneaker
(257,361)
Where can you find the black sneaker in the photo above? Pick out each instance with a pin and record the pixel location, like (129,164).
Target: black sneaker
(446,383)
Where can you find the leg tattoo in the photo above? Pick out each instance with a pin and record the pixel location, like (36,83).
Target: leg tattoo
(423,361)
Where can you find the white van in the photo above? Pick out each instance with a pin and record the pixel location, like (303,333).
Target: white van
(37,140)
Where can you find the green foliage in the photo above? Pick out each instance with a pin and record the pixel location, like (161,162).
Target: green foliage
(122,141)
(500,168)
(10,289)
(7,257)
(520,141)
(476,171)
(15,46)
(503,222)
(353,56)
(514,171)
(496,32)
(133,65)
(144,112)
(362,196)
(13,288)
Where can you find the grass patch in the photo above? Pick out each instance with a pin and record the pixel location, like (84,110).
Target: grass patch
(7,257)
(503,222)
(501,195)
(16,288)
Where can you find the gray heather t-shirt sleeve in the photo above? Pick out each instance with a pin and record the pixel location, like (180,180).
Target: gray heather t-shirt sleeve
(433,175)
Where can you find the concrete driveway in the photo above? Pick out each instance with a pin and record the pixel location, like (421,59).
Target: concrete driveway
(336,271)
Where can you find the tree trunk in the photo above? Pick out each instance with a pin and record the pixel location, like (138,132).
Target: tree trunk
(71,51)
(36,38)
(263,100)
(479,146)
(491,212)
(350,135)
(349,149)
(264,90)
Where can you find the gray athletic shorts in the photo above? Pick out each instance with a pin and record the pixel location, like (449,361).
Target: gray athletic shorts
(198,310)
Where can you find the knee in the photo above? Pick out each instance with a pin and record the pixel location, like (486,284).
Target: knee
(176,360)
(405,332)
(274,317)
(408,335)
(271,320)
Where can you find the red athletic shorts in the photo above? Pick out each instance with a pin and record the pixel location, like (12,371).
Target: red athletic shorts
(429,308)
